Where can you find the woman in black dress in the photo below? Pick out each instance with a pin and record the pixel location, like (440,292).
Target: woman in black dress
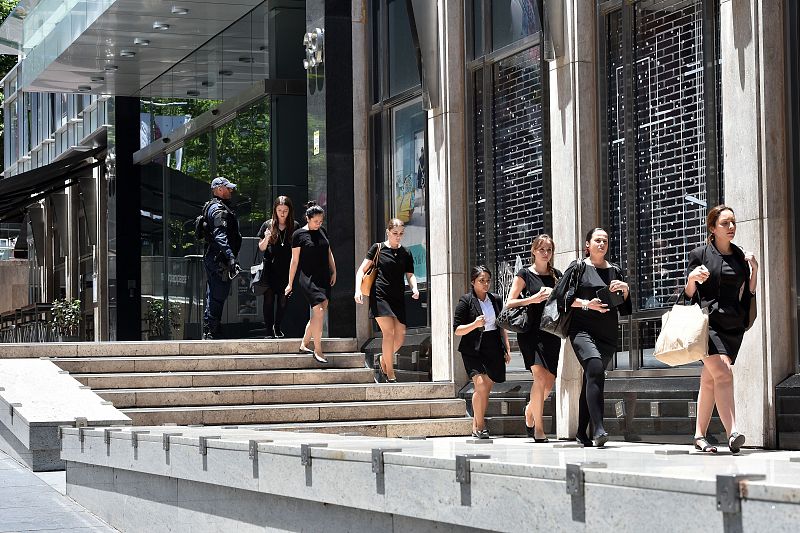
(723,278)
(593,330)
(387,296)
(539,349)
(275,240)
(484,347)
(313,259)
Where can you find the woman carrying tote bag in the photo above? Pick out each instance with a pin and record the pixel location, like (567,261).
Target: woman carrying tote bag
(540,349)
(723,278)
(387,295)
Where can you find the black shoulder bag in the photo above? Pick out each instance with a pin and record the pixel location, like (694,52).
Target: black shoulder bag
(558,309)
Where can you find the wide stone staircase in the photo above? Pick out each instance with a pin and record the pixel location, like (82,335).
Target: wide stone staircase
(265,383)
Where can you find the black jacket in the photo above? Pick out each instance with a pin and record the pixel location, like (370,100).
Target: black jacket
(468,309)
(564,294)
(225,237)
(708,291)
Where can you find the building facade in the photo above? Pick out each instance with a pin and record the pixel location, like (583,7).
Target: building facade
(480,124)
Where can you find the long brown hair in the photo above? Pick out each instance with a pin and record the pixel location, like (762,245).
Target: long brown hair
(537,243)
(713,216)
(274,230)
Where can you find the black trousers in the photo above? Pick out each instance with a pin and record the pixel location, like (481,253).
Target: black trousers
(273,314)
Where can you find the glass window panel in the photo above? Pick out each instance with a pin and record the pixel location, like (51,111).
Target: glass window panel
(477,28)
(517,135)
(403,69)
(375,53)
(408,189)
(513,20)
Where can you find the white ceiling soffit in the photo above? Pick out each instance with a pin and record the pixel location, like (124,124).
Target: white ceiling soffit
(87,60)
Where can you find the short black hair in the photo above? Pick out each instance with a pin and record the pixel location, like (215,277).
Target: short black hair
(477,271)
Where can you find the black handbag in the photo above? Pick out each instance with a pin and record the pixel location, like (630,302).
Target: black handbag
(558,311)
(514,319)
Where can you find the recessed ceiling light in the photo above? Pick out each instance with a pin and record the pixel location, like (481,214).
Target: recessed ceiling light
(84,88)
(110,68)
(97,79)
(192,92)
(245,59)
(127,53)
(207,83)
(162,26)
(141,42)
(226,73)
(179,10)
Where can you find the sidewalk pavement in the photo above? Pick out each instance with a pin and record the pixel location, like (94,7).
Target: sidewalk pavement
(36,502)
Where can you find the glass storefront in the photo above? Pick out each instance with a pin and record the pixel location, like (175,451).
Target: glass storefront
(662,170)
(175,187)
(509,200)
(398,136)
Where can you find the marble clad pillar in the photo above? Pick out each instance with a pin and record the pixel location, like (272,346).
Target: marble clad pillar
(756,186)
(447,194)
(574,139)
(362,188)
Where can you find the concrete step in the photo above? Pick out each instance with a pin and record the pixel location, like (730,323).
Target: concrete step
(294,413)
(423,427)
(205,363)
(239,378)
(167,348)
(209,396)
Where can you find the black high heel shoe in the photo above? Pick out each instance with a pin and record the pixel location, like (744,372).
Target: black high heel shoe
(529,430)
(582,438)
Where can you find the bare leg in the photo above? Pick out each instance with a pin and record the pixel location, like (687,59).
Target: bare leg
(721,370)
(317,318)
(542,384)
(480,400)
(386,324)
(307,334)
(705,403)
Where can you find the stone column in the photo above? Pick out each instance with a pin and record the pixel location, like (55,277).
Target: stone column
(574,138)
(73,252)
(447,194)
(101,310)
(753,137)
(362,189)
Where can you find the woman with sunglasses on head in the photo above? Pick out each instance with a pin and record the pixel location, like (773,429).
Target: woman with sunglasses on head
(723,279)
(601,296)
(312,259)
(275,240)
(387,295)
(484,346)
(540,349)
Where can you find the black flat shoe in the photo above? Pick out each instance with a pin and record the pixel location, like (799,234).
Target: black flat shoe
(540,441)
(702,444)
(735,442)
(529,430)
(582,438)
(600,440)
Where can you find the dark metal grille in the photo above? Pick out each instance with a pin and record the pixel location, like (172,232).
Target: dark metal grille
(669,168)
(517,135)
(479,198)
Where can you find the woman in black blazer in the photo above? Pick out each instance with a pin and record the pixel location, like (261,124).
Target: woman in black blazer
(723,278)
(484,346)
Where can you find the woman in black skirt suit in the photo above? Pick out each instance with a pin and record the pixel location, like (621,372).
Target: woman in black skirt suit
(387,296)
(593,331)
(313,258)
(539,349)
(723,278)
(484,347)
(275,240)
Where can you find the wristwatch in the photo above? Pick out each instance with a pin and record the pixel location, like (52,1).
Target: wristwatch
(585,305)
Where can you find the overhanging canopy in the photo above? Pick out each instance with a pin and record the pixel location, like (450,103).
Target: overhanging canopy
(20,191)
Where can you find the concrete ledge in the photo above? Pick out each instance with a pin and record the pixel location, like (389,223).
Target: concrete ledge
(134,480)
(36,397)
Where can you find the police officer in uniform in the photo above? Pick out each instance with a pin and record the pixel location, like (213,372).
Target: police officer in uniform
(222,246)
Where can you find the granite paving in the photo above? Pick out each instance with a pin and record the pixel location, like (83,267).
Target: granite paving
(35,502)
